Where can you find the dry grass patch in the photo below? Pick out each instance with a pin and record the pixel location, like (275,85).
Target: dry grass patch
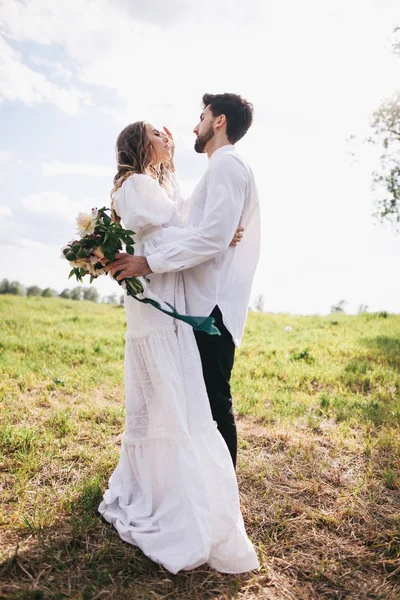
(319,511)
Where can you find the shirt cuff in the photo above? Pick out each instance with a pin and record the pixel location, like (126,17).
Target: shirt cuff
(156,263)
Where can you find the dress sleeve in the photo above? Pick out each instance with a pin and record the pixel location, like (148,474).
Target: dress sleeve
(141,202)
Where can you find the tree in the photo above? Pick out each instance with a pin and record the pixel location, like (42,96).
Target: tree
(12,287)
(111,299)
(91,294)
(34,290)
(396,40)
(339,307)
(259,303)
(386,126)
(76,293)
(5,286)
(16,288)
(49,293)
(66,294)
(385,123)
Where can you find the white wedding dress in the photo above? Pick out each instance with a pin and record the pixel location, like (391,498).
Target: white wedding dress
(174,492)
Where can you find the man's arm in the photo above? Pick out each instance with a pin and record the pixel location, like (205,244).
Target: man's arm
(222,213)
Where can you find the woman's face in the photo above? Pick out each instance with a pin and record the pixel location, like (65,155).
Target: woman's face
(160,146)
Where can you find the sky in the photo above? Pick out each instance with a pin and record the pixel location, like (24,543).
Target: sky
(74,74)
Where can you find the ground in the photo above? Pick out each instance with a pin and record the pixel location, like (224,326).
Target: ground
(318,412)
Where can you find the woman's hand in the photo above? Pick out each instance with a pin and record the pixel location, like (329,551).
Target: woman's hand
(237,237)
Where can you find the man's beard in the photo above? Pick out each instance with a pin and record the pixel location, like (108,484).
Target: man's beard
(201,142)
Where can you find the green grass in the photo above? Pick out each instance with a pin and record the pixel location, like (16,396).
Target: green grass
(343,367)
(319,460)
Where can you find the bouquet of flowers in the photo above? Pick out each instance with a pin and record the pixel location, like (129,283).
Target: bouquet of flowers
(101,238)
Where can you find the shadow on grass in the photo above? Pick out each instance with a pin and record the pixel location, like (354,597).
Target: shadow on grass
(370,385)
(83,557)
(384,350)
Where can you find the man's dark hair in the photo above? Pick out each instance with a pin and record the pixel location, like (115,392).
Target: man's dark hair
(238,113)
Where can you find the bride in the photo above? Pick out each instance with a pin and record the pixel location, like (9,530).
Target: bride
(174,491)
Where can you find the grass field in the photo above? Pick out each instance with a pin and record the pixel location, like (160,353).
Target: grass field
(318,411)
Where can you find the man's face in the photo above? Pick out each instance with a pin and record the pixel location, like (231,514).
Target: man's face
(204,130)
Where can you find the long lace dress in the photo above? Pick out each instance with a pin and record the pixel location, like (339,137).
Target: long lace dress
(174,491)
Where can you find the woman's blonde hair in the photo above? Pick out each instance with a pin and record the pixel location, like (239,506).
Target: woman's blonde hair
(133,151)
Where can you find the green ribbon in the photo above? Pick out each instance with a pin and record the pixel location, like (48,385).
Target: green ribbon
(205,324)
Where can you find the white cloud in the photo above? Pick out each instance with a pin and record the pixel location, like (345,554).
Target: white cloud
(152,53)
(26,243)
(125,46)
(56,205)
(56,69)
(12,231)
(19,82)
(59,168)
(156,56)
(46,218)
(5,212)
(36,20)
(156,11)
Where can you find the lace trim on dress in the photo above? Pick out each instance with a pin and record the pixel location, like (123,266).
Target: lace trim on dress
(146,231)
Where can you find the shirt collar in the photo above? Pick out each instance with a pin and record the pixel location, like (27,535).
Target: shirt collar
(222,150)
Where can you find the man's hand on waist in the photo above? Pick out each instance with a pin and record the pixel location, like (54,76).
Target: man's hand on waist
(128,265)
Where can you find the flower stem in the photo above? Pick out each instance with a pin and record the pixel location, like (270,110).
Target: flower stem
(133,286)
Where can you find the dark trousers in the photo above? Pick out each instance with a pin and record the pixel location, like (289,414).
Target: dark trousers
(217,356)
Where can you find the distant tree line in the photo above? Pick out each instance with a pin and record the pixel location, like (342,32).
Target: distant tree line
(92,295)
(16,288)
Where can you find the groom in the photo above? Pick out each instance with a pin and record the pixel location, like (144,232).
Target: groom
(217,277)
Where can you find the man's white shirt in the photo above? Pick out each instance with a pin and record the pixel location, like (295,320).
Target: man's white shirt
(214,272)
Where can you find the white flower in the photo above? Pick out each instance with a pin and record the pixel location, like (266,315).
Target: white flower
(288,328)
(87,222)
(94,259)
